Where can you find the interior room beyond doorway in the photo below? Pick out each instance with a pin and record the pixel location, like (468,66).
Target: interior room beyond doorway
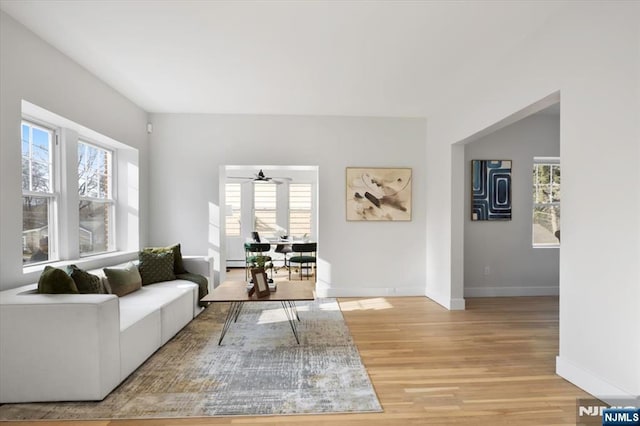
(273,201)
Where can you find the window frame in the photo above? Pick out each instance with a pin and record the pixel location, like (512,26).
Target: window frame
(236,213)
(53,194)
(110,200)
(552,162)
(309,211)
(126,220)
(275,229)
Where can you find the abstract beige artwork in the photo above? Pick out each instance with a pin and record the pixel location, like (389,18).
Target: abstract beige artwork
(378,193)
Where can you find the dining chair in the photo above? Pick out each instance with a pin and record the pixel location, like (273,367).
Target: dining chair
(304,254)
(283,249)
(254,256)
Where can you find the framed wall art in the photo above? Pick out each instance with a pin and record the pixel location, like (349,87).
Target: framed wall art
(378,194)
(490,190)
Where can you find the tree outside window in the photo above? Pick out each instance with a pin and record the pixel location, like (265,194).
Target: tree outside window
(96,199)
(38,199)
(546,202)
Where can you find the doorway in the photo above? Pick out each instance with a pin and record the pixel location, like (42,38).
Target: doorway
(274,201)
(497,258)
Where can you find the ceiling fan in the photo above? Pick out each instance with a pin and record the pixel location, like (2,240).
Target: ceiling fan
(261,177)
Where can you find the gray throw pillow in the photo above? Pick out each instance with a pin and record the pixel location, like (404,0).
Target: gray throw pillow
(123,281)
(56,281)
(87,283)
(156,267)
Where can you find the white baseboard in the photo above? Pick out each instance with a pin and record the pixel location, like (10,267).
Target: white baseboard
(325,290)
(590,383)
(455,304)
(322,290)
(510,291)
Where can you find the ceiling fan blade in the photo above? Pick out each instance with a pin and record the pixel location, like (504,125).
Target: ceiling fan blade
(261,177)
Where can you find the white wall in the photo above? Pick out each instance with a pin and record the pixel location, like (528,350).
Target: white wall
(355,258)
(34,71)
(590,54)
(505,247)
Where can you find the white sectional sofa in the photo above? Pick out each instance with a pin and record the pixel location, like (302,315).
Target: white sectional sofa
(79,347)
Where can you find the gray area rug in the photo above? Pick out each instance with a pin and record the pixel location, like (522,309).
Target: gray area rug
(258,370)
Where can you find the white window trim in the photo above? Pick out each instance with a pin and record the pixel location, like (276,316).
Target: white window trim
(54,191)
(235,212)
(549,161)
(277,228)
(111,200)
(311,208)
(125,176)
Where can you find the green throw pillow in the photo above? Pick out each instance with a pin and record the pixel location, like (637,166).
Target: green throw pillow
(56,281)
(156,267)
(123,281)
(178,264)
(87,283)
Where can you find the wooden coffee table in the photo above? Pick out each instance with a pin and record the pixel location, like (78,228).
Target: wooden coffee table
(287,292)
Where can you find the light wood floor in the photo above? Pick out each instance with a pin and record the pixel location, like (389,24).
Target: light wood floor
(493,364)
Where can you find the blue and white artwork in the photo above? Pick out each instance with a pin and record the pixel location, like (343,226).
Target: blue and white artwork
(491,189)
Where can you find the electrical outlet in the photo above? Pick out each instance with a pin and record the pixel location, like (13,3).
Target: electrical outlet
(487,270)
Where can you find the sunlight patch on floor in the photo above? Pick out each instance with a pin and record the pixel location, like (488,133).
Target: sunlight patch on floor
(278,314)
(375,304)
(271,315)
(330,306)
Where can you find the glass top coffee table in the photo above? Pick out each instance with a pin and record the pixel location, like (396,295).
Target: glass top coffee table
(287,292)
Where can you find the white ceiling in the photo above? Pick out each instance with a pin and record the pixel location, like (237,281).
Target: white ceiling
(380,58)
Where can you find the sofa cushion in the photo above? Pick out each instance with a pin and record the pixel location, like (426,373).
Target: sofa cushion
(178,265)
(56,281)
(87,283)
(174,300)
(123,281)
(157,295)
(156,267)
(182,285)
(140,337)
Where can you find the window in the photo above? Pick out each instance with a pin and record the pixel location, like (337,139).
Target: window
(233,197)
(38,194)
(70,180)
(300,209)
(97,205)
(546,202)
(264,204)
